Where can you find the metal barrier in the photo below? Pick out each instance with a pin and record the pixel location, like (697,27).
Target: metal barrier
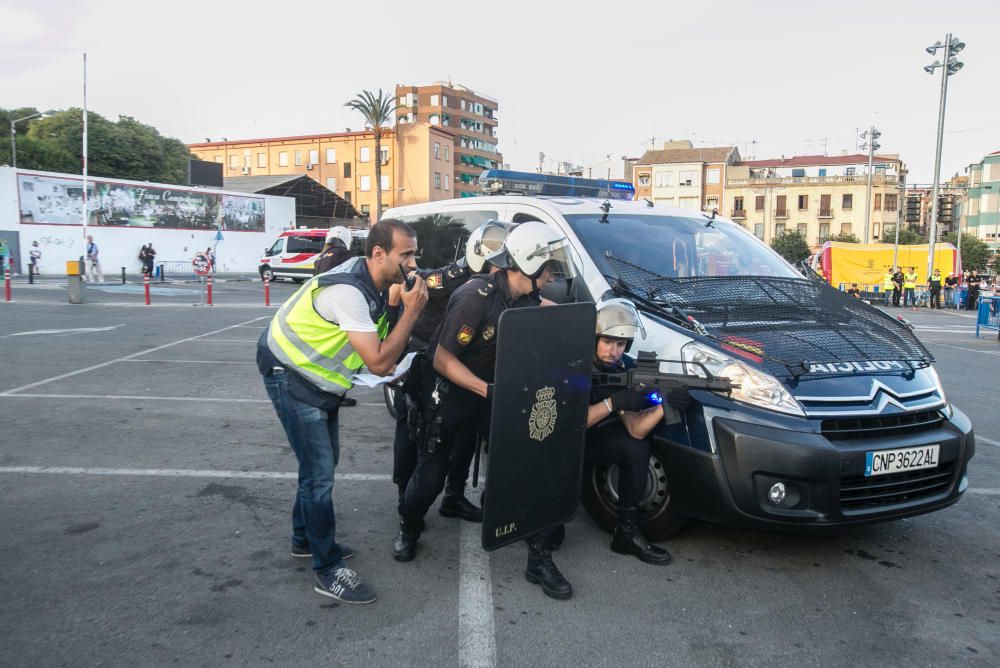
(870,292)
(988,315)
(177,270)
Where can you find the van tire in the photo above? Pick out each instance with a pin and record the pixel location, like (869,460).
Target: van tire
(658,517)
(266,273)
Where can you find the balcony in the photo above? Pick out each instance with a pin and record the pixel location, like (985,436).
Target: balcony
(738,214)
(781,213)
(877,179)
(826,213)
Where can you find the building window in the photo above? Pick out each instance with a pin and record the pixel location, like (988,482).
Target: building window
(664,179)
(365,209)
(331,156)
(780,207)
(686,178)
(875,231)
(712,203)
(365,184)
(298,158)
(447,152)
(437,180)
(283,159)
(850,171)
(219,159)
(385,182)
(644,179)
(712,177)
(347,196)
(437,150)
(738,204)
(364,154)
(384,154)
(331,183)
(262,159)
(234,162)
(347,170)
(434,100)
(758,204)
(434,119)
(463,105)
(802,228)
(314,156)
(779,229)
(824,232)
(891,202)
(444,100)
(447,182)
(847,203)
(803,202)
(845,228)
(758,230)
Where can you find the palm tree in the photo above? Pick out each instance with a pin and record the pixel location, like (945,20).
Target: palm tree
(377,110)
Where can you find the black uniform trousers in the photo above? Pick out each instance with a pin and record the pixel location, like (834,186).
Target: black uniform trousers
(612,444)
(896,292)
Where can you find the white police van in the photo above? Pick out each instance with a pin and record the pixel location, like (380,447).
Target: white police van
(839,417)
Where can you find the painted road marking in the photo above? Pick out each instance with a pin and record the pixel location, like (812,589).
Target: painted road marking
(476,629)
(226,340)
(76,330)
(186,473)
(132,397)
(985,491)
(971,350)
(124,358)
(987,441)
(192,361)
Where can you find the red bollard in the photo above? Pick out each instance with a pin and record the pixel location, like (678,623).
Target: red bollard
(267,292)
(6,283)
(208,293)
(145,285)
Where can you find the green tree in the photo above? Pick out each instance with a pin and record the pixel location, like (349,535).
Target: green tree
(792,246)
(123,149)
(377,110)
(975,253)
(907,237)
(845,237)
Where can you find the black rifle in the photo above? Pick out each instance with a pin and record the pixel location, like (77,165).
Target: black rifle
(647,373)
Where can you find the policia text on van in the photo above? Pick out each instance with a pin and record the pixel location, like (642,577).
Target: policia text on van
(822,383)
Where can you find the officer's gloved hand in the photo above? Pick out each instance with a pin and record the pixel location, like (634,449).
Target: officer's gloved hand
(679,398)
(630,399)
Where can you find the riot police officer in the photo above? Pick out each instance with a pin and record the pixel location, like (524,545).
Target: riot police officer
(484,241)
(464,354)
(336,250)
(619,424)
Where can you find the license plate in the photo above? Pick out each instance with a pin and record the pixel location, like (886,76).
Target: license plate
(882,462)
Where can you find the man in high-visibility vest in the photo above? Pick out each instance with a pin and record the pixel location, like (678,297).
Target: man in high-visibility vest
(888,285)
(909,285)
(332,326)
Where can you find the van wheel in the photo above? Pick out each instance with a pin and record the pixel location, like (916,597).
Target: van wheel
(266,273)
(657,514)
(298,279)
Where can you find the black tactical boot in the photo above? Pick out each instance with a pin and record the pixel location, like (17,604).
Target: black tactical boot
(628,539)
(405,546)
(456,505)
(543,571)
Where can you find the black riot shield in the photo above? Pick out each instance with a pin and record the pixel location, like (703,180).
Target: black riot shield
(539,420)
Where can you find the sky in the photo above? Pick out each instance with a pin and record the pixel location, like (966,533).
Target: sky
(584,82)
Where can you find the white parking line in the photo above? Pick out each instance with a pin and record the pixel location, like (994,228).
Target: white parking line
(971,350)
(124,358)
(185,473)
(226,340)
(133,397)
(476,631)
(192,361)
(987,441)
(985,491)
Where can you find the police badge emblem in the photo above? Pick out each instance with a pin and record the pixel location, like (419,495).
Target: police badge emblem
(542,421)
(434,281)
(465,335)
(488,332)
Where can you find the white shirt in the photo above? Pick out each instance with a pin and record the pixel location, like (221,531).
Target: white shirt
(346,306)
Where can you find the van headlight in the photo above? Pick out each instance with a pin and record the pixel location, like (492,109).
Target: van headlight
(937,384)
(755,387)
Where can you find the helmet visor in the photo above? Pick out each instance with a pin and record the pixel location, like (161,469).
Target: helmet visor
(559,262)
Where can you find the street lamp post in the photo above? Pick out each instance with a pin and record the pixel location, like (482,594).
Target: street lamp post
(871,145)
(13,133)
(949,65)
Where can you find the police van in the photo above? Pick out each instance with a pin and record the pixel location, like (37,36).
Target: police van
(293,253)
(837,416)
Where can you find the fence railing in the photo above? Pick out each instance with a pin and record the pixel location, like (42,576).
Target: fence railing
(988,316)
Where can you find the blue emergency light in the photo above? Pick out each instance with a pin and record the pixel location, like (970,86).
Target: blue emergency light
(656,398)
(504,181)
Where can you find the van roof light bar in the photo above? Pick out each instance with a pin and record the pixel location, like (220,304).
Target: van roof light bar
(505,182)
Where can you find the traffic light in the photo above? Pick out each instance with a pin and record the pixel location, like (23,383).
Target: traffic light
(912,209)
(945,211)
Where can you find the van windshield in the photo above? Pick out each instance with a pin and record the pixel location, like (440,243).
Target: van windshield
(678,247)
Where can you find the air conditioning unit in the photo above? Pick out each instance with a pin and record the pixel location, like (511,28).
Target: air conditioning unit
(245,170)
(385,161)
(309,166)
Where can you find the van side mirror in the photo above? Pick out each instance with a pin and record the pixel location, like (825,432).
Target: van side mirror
(267,252)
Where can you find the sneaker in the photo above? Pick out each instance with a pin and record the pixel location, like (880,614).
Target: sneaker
(344,585)
(305,552)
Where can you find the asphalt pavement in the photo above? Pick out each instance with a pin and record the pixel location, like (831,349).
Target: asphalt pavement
(147,487)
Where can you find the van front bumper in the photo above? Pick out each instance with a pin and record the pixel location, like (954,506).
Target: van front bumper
(824,479)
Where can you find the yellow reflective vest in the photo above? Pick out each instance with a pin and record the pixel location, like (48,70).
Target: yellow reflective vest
(910,281)
(887,283)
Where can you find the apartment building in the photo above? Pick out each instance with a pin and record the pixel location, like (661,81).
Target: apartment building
(472,118)
(981,211)
(417,162)
(817,195)
(684,176)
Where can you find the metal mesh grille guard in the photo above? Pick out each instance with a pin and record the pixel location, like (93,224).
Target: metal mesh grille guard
(794,322)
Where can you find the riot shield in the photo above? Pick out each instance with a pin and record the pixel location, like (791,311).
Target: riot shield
(539,420)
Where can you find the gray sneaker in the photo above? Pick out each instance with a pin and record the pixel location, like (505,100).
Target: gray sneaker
(344,585)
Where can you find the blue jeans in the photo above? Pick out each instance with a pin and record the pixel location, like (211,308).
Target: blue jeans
(314,435)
